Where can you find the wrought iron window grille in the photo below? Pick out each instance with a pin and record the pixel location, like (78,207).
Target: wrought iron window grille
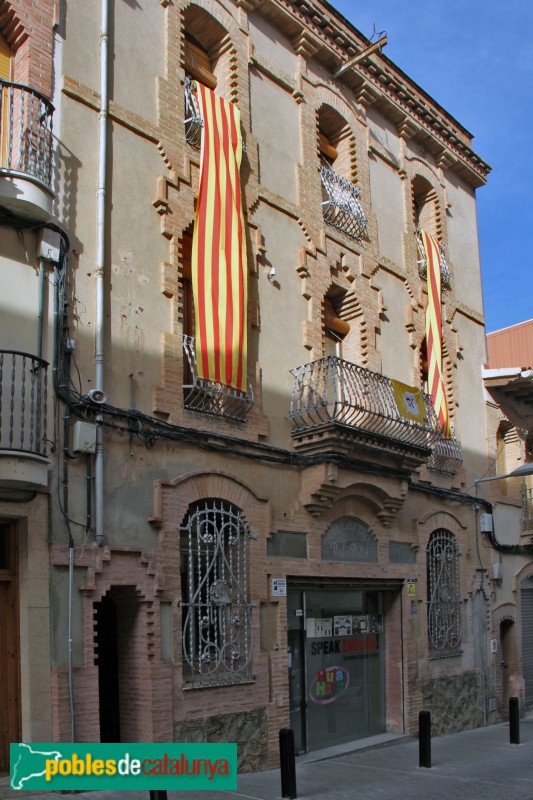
(193,118)
(27,118)
(217,614)
(341,205)
(423,266)
(444,604)
(209,397)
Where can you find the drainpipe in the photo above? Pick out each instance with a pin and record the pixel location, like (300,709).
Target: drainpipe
(100,263)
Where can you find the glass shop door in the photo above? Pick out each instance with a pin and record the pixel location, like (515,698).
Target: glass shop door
(337,672)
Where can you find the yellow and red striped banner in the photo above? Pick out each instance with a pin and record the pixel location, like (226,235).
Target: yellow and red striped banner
(219,269)
(434,332)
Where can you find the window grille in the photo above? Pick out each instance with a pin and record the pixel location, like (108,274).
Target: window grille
(422,262)
(444,605)
(341,204)
(217,625)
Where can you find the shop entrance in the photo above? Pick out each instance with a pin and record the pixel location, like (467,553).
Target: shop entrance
(336,665)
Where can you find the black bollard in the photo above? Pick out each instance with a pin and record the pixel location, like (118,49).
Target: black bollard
(159,794)
(514,721)
(424,739)
(287,763)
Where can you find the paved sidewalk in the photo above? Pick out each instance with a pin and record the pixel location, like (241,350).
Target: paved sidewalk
(471,765)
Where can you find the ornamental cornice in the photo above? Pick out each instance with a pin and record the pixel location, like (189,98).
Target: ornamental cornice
(379,76)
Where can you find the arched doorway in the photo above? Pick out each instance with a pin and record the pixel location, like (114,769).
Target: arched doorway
(526,595)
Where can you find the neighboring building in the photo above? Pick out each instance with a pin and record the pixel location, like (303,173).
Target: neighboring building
(508,379)
(292,544)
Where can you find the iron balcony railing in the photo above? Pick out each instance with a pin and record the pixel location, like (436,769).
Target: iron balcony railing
(447,455)
(423,265)
(193,119)
(527,508)
(23,403)
(25,132)
(341,205)
(209,397)
(333,390)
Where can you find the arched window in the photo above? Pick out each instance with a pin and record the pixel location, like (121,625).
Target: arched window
(425,206)
(216,612)
(444,604)
(207,58)
(340,197)
(504,428)
(335,328)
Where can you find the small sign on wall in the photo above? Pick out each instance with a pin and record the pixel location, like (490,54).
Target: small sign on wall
(279,587)
(411,588)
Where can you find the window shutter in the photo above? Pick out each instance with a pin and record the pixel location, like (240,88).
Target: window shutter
(198,64)
(332,321)
(329,152)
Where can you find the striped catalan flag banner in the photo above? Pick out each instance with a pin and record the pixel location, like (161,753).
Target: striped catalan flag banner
(434,332)
(219,269)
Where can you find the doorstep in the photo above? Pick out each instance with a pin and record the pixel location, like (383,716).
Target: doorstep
(370,743)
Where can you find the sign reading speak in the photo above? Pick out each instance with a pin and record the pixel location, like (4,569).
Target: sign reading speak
(279,587)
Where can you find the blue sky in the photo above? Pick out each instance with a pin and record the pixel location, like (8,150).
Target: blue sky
(475,57)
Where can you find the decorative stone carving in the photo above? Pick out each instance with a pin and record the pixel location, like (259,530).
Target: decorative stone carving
(349,540)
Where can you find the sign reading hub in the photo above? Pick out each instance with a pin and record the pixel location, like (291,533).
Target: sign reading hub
(59,767)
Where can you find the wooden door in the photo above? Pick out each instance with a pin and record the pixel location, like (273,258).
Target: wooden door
(10,728)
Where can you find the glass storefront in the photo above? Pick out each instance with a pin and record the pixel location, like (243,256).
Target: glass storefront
(336,665)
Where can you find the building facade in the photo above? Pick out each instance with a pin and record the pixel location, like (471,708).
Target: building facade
(212,562)
(508,379)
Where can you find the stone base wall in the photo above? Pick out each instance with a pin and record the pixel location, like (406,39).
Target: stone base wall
(455,702)
(249,729)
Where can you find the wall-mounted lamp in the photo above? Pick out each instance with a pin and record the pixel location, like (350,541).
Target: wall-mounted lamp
(520,472)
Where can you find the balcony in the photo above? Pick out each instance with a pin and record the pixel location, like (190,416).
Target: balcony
(23,411)
(341,205)
(344,407)
(423,265)
(25,152)
(208,397)
(193,119)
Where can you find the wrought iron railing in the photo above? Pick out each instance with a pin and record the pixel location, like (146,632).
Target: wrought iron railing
(447,455)
(217,613)
(193,119)
(23,402)
(527,508)
(341,205)
(209,397)
(26,118)
(423,265)
(333,390)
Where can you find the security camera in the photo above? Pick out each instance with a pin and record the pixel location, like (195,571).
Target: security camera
(97,396)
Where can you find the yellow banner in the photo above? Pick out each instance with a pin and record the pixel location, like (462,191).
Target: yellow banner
(410,401)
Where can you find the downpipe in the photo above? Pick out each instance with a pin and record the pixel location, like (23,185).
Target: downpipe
(100,273)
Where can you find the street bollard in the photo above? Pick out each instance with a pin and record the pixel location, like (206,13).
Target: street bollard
(160,794)
(287,763)
(424,739)
(514,720)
